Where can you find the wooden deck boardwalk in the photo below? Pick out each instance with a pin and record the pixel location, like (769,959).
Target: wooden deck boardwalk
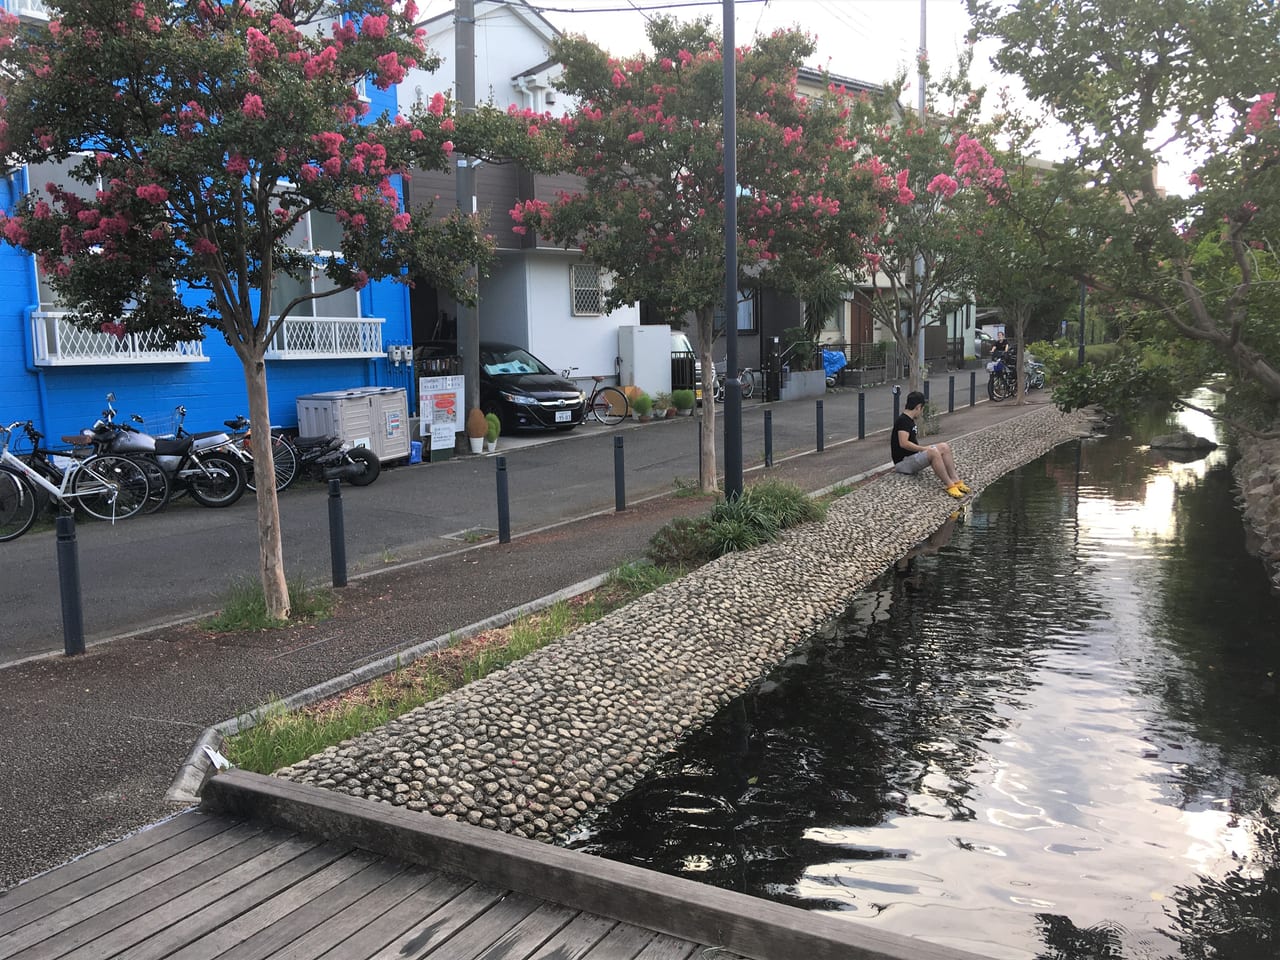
(273,870)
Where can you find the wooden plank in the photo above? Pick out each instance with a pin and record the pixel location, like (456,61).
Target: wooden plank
(220,901)
(91,937)
(530,933)
(673,905)
(441,924)
(45,883)
(219,942)
(663,947)
(80,899)
(356,917)
(400,918)
(624,942)
(476,937)
(129,897)
(576,940)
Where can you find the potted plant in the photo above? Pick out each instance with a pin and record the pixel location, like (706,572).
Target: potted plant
(494,427)
(663,407)
(642,404)
(476,427)
(683,401)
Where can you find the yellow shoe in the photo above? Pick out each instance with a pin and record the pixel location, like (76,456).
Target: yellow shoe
(955,491)
(964,487)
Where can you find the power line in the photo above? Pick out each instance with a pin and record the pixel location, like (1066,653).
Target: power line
(669,5)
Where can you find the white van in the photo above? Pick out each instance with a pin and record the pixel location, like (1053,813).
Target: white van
(681,348)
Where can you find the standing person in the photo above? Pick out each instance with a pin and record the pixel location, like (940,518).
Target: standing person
(910,457)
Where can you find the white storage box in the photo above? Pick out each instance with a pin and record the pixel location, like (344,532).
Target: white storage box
(373,417)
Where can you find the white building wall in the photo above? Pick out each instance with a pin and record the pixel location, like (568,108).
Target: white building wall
(557,336)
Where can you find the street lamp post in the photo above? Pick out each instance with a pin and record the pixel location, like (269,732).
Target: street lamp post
(732,391)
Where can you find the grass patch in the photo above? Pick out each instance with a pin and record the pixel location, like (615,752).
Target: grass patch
(763,510)
(283,737)
(246,608)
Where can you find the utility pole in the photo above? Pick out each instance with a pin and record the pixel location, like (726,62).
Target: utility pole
(464,80)
(917,286)
(732,389)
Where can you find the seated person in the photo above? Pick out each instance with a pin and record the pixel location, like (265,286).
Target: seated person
(910,457)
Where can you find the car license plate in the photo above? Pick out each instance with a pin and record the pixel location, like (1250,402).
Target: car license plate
(564,416)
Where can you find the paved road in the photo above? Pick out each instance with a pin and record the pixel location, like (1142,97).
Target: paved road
(182,562)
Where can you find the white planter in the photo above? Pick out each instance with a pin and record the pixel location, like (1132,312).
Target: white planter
(477,444)
(490,446)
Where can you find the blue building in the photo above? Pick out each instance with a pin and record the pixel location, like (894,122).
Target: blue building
(58,376)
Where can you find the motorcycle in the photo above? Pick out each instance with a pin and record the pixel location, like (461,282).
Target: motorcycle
(321,458)
(205,467)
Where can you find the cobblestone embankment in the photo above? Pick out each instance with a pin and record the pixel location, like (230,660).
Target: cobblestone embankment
(533,748)
(1258,477)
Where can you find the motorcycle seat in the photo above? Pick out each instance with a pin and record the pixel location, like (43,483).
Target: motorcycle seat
(321,441)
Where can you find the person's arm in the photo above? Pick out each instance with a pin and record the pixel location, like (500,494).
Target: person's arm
(904,441)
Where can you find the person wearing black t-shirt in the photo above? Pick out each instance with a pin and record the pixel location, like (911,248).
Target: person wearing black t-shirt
(1000,347)
(910,457)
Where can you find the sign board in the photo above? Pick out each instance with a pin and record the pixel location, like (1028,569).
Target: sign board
(440,402)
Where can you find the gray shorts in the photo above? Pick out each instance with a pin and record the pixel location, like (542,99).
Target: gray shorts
(913,462)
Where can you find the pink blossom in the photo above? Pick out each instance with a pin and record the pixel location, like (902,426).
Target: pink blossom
(415,135)
(667,64)
(333,166)
(400,222)
(637,137)
(205,247)
(152,193)
(310,172)
(1195,180)
(362,280)
(374,26)
(252,107)
(447,147)
(330,142)
(944,185)
(390,70)
(236,165)
(1261,113)
(447,125)
(685,57)
(437,104)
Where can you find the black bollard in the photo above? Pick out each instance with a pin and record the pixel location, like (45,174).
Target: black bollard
(504,503)
(700,450)
(862,415)
(897,402)
(951,393)
(973,386)
(926,390)
(337,534)
(69,585)
(768,438)
(820,431)
(619,476)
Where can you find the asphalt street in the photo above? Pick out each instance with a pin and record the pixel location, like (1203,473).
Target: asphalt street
(183,561)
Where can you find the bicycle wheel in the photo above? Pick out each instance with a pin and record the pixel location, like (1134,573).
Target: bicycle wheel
(17,506)
(998,387)
(158,489)
(110,487)
(748,378)
(283,455)
(609,405)
(717,389)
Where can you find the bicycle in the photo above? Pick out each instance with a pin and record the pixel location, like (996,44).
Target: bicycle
(283,452)
(105,486)
(747,384)
(607,404)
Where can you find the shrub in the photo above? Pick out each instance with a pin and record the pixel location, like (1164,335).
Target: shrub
(799,350)
(494,427)
(642,404)
(683,399)
(684,542)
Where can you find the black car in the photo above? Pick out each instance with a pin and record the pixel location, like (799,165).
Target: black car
(523,391)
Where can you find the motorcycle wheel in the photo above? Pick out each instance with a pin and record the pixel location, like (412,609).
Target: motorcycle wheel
(372,465)
(221,486)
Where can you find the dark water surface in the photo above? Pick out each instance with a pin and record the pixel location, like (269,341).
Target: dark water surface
(1054,732)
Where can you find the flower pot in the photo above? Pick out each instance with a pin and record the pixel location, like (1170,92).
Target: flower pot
(490,446)
(477,444)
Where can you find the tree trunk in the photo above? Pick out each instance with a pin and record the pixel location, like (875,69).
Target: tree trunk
(275,587)
(708,479)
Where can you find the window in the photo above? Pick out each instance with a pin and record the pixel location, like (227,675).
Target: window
(746,314)
(586,281)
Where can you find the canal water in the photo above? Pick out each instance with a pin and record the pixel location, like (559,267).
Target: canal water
(1052,731)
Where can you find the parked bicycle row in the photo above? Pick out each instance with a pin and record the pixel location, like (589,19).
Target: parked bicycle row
(1003,382)
(114,471)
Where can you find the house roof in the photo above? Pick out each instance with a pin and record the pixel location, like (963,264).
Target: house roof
(520,8)
(814,75)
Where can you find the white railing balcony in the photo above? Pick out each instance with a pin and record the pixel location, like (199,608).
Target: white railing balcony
(309,338)
(33,9)
(57,342)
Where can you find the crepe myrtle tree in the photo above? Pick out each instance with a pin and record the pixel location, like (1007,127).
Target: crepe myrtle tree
(1147,82)
(938,173)
(647,141)
(206,131)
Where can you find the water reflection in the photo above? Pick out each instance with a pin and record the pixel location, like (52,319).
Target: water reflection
(1050,732)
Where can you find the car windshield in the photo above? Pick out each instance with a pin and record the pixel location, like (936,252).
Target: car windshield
(511,362)
(680,343)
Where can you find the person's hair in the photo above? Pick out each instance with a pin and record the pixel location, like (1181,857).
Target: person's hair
(914,399)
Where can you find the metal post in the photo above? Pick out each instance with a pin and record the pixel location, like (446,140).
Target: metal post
(973,387)
(69,586)
(768,438)
(862,415)
(1080,354)
(951,393)
(337,535)
(926,389)
(700,444)
(897,402)
(619,476)
(504,503)
(820,437)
